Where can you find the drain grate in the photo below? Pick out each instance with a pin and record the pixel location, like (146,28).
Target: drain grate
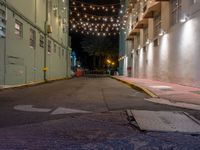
(163,88)
(196,92)
(166,90)
(165,121)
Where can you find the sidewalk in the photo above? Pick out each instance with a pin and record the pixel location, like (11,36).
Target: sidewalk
(168,93)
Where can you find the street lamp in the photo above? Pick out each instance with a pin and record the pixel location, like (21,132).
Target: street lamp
(108,61)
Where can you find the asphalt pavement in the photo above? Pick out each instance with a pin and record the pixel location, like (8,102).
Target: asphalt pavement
(82,113)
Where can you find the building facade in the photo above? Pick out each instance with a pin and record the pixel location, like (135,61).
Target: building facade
(161,40)
(33,41)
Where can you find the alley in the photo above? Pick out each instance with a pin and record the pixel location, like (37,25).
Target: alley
(81,113)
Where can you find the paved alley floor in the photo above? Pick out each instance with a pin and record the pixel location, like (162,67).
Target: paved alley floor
(82,113)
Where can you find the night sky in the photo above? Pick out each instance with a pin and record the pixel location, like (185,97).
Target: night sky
(78,37)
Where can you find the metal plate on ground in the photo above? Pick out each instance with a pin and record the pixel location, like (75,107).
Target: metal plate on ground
(163,88)
(166,121)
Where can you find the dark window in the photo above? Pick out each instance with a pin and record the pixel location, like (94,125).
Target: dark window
(157,24)
(59,51)
(144,49)
(2,24)
(137,52)
(55,47)
(155,43)
(32,38)
(42,41)
(175,11)
(49,46)
(146,35)
(63,51)
(18,29)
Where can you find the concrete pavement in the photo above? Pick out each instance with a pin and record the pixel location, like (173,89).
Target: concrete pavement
(96,131)
(166,93)
(105,126)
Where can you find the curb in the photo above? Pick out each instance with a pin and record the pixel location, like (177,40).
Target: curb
(33,84)
(156,99)
(138,87)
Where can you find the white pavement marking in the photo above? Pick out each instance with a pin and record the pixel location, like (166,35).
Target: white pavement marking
(61,110)
(134,94)
(29,108)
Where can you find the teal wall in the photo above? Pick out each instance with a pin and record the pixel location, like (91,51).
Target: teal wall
(2,49)
(2,61)
(25,64)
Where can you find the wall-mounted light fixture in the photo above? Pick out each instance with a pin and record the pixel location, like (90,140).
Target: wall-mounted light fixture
(184,18)
(148,41)
(162,32)
(49,29)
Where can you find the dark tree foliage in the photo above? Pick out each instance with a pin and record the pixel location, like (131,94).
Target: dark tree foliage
(99,46)
(99,49)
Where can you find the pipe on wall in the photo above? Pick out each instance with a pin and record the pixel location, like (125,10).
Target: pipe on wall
(45,37)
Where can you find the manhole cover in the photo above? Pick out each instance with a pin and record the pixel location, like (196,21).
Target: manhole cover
(165,121)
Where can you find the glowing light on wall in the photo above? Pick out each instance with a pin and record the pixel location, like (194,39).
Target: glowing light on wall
(184,18)
(125,66)
(187,38)
(164,52)
(150,59)
(141,61)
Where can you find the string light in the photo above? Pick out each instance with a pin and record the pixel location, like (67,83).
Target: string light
(100,20)
(85,6)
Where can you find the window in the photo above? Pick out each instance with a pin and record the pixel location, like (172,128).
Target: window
(146,35)
(55,47)
(175,11)
(2,27)
(137,52)
(41,41)
(32,38)
(59,52)
(55,11)
(157,24)
(63,51)
(18,29)
(155,42)
(49,46)
(144,49)
(137,41)
(2,13)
